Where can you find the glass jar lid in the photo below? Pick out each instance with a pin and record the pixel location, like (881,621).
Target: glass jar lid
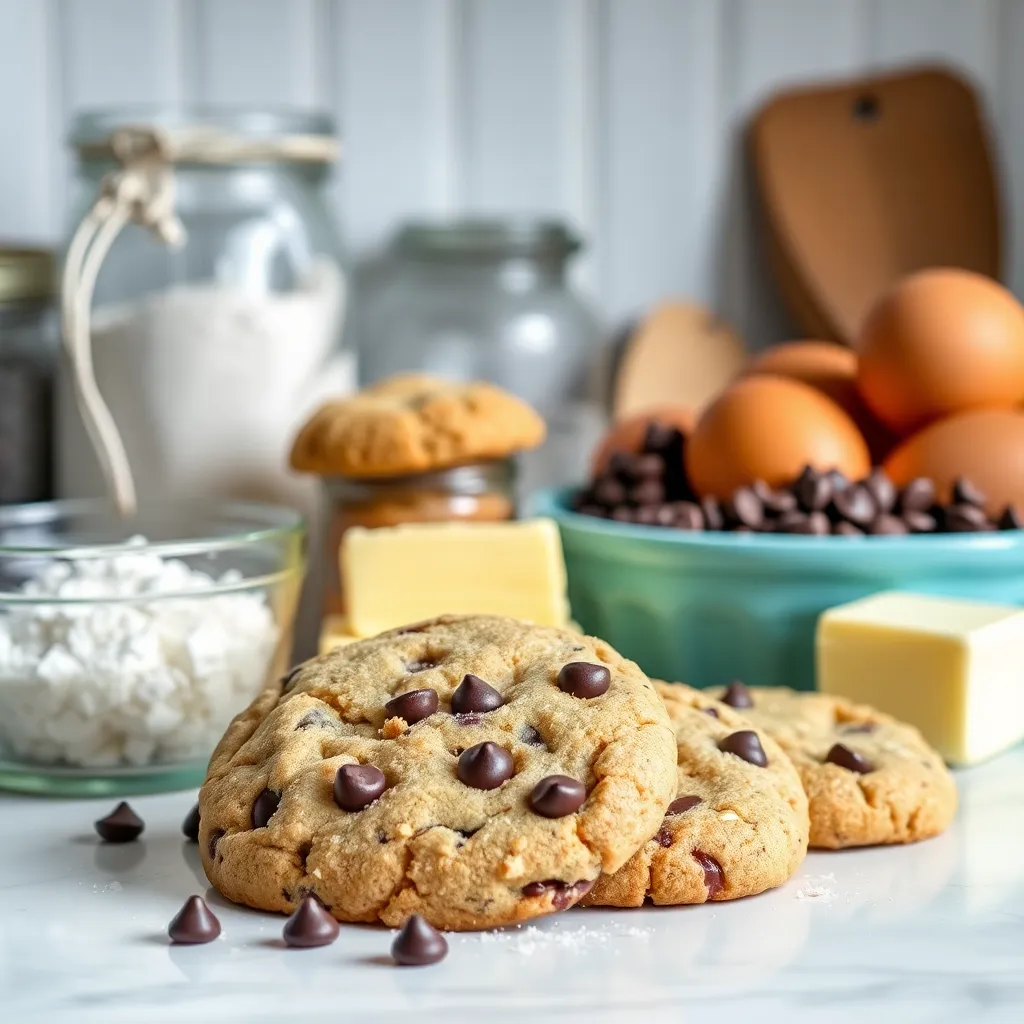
(471,239)
(26,275)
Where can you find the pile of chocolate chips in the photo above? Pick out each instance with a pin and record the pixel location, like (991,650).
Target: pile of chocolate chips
(651,488)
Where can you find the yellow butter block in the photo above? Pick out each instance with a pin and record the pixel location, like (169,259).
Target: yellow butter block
(334,632)
(400,574)
(953,668)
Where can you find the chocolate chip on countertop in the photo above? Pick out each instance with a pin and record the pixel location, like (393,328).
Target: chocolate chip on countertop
(882,490)
(485,766)
(688,515)
(682,804)
(849,759)
(856,505)
(357,785)
(413,706)
(888,526)
(473,694)
(713,518)
(966,519)
(965,493)
(418,943)
(582,679)
(813,490)
(745,508)
(1011,519)
(121,825)
(263,808)
(190,826)
(920,522)
(746,745)
(557,795)
(918,495)
(737,695)
(713,879)
(194,924)
(310,925)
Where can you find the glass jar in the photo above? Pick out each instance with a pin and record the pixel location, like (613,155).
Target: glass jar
(481,299)
(27,356)
(480,492)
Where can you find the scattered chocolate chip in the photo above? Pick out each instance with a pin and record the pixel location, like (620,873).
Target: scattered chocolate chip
(418,943)
(485,766)
(310,925)
(473,694)
(263,808)
(843,529)
(737,695)
(357,785)
(194,924)
(289,680)
(881,489)
(565,894)
(849,759)
(965,493)
(663,837)
(215,837)
(688,515)
(745,744)
(531,737)
(413,706)
(121,825)
(713,518)
(557,795)
(856,505)
(609,491)
(682,804)
(713,879)
(966,519)
(813,490)
(1011,519)
(420,665)
(583,679)
(888,526)
(918,495)
(190,826)
(745,508)
(710,711)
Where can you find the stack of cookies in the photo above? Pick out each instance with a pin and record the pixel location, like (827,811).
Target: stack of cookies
(480,771)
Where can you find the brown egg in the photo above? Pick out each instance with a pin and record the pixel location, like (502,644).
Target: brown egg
(940,343)
(986,447)
(832,370)
(768,428)
(627,435)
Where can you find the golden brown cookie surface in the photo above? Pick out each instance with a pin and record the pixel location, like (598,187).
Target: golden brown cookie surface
(324,788)
(738,824)
(414,423)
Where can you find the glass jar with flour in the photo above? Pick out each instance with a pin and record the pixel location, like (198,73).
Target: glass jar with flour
(203,300)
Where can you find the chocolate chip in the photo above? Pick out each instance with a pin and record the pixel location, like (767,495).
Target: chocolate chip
(121,825)
(920,522)
(609,491)
(838,480)
(710,711)
(794,521)
(965,493)
(663,837)
(310,925)
(813,490)
(190,826)
(659,436)
(623,514)
(737,695)
(194,924)
(918,495)
(316,718)
(847,530)
(485,766)
(865,727)
(1011,519)
(413,706)
(688,515)
(357,785)
(713,518)
(776,502)
(849,759)
(713,879)
(473,694)
(816,524)
(745,508)
(289,680)
(648,466)
(565,894)
(881,489)
(263,808)
(682,804)
(583,679)
(745,744)
(856,505)
(557,795)
(591,510)
(888,526)
(531,737)
(420,665)
(215,837)
(418,943)
(647,492)
(665,516)
(647,515)
(966,519)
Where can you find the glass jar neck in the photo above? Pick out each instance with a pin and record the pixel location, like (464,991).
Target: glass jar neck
(511,273)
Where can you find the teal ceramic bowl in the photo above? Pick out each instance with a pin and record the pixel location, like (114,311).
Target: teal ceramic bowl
(705,608)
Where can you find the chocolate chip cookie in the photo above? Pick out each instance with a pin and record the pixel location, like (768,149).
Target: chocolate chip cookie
(475,770)
(869,778)
(738,823)
(414,423)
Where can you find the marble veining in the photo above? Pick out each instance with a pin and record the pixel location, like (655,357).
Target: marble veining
(927,934)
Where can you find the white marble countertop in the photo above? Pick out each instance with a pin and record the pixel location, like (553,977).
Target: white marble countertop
(930,933)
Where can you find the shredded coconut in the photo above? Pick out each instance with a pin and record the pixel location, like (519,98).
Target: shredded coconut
(136,681)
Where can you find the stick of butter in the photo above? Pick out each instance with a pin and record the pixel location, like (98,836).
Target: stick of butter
(334,632)
(953,668)
(399,574)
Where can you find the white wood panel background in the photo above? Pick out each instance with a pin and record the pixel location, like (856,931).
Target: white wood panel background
(623,116)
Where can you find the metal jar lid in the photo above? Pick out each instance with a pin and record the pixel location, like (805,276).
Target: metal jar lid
(26,275)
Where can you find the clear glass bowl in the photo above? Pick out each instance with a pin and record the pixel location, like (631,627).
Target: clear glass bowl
(126,647)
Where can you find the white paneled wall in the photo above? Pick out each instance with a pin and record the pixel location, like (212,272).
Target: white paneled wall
(623,116)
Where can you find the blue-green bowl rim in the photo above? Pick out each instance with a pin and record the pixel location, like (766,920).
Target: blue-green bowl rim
(555,503)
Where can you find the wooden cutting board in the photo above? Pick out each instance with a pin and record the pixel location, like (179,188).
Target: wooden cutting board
(865,181)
